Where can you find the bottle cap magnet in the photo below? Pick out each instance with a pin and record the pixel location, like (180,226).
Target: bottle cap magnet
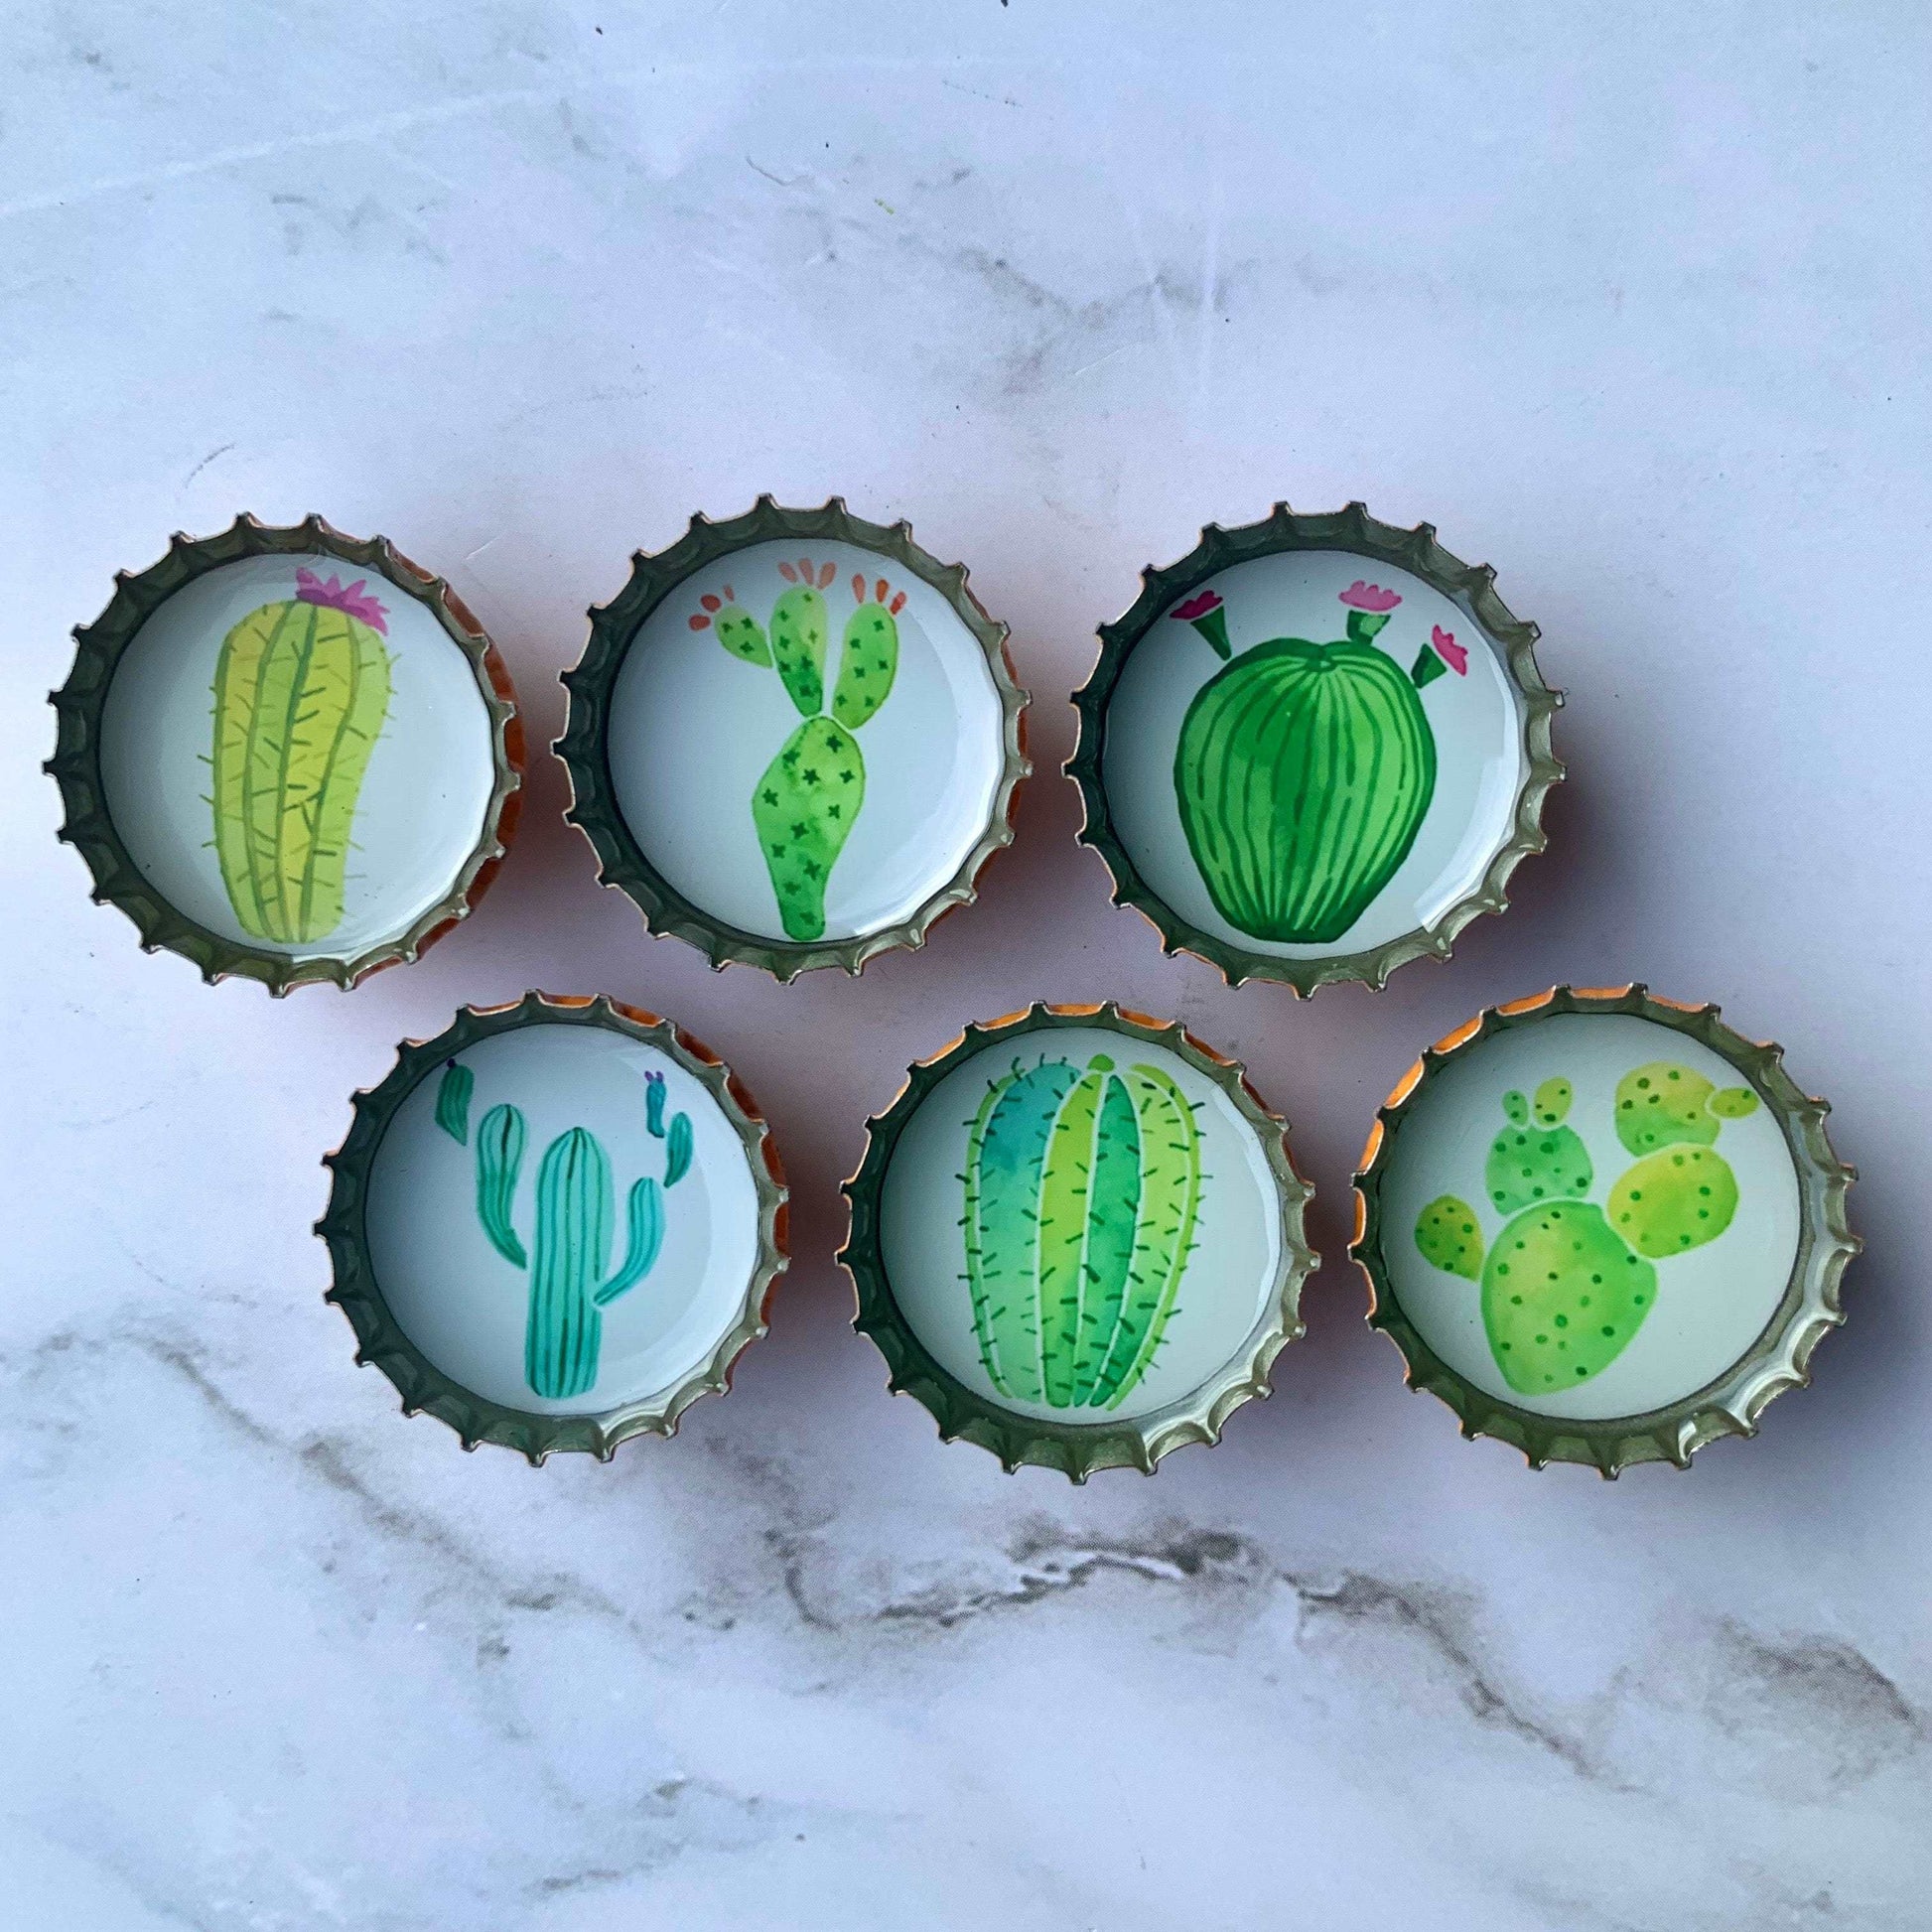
(794,738)
(1077,1239)
(288,754)
(1314,748)
(556,1225)
(1603,1227)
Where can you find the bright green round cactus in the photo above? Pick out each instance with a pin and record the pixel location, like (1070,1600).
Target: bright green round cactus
(1567,1283)
(1082,1191)
(810,796)
(1535,1160)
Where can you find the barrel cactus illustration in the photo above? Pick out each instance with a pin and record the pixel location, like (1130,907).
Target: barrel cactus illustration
(1083,1192)
(570,1252)
(1304,771)
(301,692)
(810,796)
(1566,1283)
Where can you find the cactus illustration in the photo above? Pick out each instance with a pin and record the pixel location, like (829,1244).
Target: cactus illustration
(1084,1191)
(301,691)
(1567,1283)
(806,801)
(575,1212)
(1304,771)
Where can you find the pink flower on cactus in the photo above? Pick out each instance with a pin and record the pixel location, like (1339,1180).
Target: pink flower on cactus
(1370,596)
(1455,655)
(1198,606)
(351,600)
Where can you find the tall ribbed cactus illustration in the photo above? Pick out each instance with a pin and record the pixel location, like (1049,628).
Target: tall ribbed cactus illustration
(1303,771)
(575,1210)
(808,798)
(301,690)
(1566,1283)
(1083,1188)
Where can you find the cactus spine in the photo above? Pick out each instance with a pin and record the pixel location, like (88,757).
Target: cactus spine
(1083,1189)
(1569,1284)
(808,798)
(301,691)
(575,1212)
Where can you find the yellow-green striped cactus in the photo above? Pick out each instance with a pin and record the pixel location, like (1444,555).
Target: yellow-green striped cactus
(575,1212)
(301,691)
(808,798)
(1083,1189)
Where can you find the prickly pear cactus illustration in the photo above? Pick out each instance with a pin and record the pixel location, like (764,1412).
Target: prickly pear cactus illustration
(1084,1191)
(575,1212)
(301,692)
(810,796)
(1567,1283)
(1304,771)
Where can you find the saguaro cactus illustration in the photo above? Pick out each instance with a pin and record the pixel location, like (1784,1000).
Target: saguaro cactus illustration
(810,796)
(301,691)
(1567,1283)
(1083,1189)
(575,1209)
(1303,771)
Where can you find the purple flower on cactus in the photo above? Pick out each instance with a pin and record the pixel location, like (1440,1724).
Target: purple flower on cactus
(1455,655)
(351,600)
(1204,612)
(1370,596)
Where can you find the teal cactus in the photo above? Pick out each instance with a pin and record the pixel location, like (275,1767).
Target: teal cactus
(1082,1194)
(1567,1283)
(575,1213)
(808,798)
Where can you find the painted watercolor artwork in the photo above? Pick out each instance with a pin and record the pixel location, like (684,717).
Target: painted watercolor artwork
(1304,771)
(569,1253)
(300,693)
(1566,1283)
(810,796)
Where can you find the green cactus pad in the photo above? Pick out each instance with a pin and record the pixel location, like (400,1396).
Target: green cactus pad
(1660,1105)
(799,637)
(1302,773)
(1449,1237)
(1553,1099)
(1674,1200)
(868,664)
(565,1333)
(742,635)
(500,1159)
(1082,1191)
(301,691)
(803,809)
(1531,1162)
(1562,1296)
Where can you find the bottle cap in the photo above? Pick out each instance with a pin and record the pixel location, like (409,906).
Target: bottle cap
(1077,1239)
(288,754)
(556,1225)
(1314,748)
(794,739)
(1603,1226)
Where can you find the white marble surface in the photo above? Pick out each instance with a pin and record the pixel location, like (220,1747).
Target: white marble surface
(1631,302)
